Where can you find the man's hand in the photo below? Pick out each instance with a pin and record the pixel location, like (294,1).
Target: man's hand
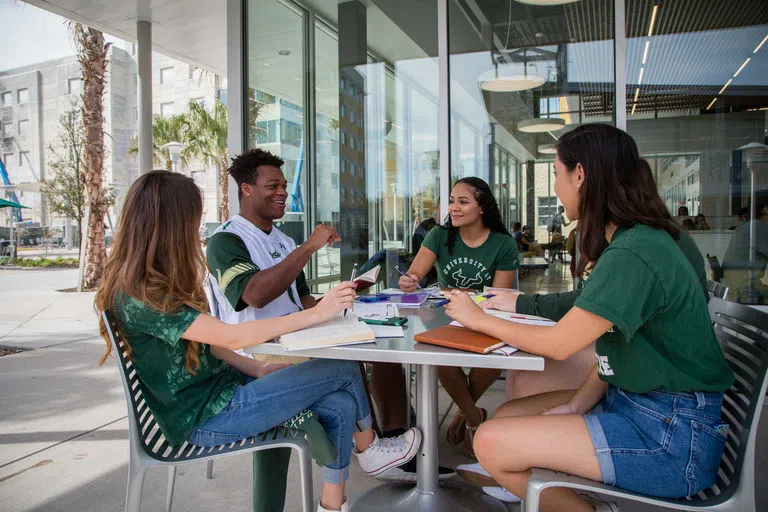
(322,235)
(503,301)
(463,309)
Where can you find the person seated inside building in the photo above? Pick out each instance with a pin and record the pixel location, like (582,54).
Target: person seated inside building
(701,223)
(529,244)
(745,276)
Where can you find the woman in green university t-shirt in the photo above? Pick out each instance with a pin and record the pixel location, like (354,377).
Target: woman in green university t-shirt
(198,389)
(472,249)
(647,418)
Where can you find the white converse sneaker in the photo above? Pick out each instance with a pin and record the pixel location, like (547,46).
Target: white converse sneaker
(389,452)
(476,474)
(599,504)
(344,507)
(501,494)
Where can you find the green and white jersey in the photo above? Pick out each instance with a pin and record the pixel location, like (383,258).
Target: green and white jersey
(235,252)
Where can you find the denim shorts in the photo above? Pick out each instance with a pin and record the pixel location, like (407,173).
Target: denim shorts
(658,443)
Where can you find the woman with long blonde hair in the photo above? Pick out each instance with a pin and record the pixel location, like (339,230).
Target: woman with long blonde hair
(198,389)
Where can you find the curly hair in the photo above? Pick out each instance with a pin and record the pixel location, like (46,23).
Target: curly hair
(245,167)
(491,216)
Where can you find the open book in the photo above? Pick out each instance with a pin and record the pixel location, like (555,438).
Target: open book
(365,281)
(337,331)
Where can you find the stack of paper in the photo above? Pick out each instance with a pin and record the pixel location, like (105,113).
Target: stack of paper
(337,331)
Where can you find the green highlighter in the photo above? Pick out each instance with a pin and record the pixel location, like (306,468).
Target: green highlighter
(395,320)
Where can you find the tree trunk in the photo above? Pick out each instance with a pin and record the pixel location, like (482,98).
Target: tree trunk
(92,55)
(224,186)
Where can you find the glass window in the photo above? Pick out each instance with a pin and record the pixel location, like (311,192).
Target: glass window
(699,118)
(7,129)
(547,209)
(24,158)
(24,128)
(275,114)
(74,86)
(514,67)
(166,75)
(23,95)
(167,109)
(8,160)
(7,98)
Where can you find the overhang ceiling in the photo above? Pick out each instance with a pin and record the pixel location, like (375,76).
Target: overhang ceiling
(193,31)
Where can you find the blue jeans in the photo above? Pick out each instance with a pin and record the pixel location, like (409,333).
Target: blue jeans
(331,389)
(658,443)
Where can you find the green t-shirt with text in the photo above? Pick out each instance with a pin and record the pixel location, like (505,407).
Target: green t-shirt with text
(471,267)
(179,400)
(662,337)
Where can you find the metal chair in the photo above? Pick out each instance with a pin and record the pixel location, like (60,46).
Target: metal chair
(149,448)
(716,289)
(743,335)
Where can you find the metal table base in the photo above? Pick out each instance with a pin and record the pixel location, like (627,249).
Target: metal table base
(426,495)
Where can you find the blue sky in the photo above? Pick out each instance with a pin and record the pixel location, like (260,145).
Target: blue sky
(29,35)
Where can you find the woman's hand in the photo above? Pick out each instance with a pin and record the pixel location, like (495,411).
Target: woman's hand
(503,301)
(567,408)
(409,283)
(463,309)
(339,298)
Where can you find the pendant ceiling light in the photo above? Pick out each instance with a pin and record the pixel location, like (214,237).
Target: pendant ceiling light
(511,83)
(547,149)
(544,124)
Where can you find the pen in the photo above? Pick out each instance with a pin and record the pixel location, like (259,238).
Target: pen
(406,274)
(354,272)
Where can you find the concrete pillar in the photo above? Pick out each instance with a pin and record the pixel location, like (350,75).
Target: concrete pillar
(144,53)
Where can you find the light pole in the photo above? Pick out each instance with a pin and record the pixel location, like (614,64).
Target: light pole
(174,151)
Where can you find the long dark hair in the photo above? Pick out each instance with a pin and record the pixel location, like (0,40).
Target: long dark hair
(156,255)
(618,186)
(491,216)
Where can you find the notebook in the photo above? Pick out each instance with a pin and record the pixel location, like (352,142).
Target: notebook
(460,338)
(365,281)
(337,331)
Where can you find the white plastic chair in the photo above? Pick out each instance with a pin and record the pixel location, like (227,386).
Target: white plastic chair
(743,335)
(149,448)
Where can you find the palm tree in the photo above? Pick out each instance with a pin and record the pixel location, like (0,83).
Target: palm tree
(165,130)
(92,56)
(206,138)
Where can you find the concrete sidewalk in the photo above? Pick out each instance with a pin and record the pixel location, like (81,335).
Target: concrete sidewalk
(63,427)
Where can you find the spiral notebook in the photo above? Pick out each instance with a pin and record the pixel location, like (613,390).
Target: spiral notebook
(337,331)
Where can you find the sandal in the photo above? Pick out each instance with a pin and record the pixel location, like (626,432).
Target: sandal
(454,434)
(470,436)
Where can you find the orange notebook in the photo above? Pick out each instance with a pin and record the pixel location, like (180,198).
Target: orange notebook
(460,338)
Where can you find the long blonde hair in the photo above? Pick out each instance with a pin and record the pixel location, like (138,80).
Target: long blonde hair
(156,254)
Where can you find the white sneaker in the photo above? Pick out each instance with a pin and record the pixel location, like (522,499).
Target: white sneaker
(476,474)
(344,508)
(599,504)
(389,452)
(501,494)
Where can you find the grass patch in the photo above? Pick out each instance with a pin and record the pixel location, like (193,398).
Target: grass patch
(58,262)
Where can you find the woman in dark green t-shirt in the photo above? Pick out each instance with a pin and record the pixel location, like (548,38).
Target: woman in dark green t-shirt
(472,250)
(647,418)
(197,388)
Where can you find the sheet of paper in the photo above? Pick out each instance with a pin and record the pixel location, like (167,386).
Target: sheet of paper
(387,331)
(506,350)
(375,310)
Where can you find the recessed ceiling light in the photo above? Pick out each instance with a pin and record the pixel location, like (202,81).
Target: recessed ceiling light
(547,149)
(544,124)
(284,53)
(547,2)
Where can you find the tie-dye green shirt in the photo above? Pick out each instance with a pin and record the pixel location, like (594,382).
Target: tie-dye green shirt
(179,400)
